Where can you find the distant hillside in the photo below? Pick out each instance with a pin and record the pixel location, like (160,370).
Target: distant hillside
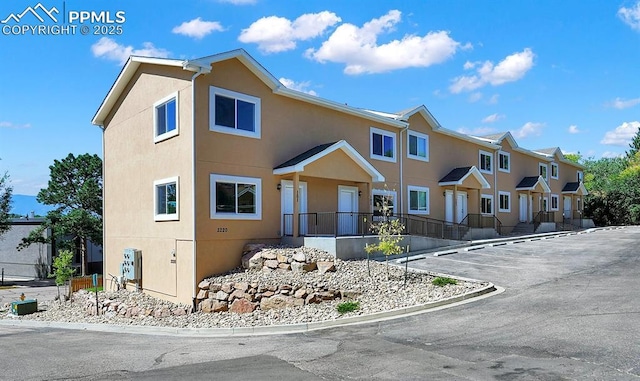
(23,205)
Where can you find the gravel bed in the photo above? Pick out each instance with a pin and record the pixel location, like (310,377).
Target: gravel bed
(383,290)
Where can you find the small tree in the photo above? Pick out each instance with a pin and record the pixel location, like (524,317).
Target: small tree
(5,203)
(389,230)
(62,268)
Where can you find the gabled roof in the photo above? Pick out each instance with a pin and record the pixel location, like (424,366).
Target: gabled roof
(500,137)
(553,151)
(457,176)
(298,163)
(531,182)
(575,188)
(204,65)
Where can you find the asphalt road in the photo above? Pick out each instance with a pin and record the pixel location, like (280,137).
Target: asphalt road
(570,311)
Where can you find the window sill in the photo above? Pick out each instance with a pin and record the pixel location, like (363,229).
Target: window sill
(165,136)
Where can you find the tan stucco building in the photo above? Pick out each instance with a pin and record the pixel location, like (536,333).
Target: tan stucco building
(203,156)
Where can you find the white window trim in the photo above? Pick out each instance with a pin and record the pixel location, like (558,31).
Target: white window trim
(235,95)
(489,196)
(579,176)
(170,134)
(507,154)
(557,171)
(166,217)
(480,153)
(557,202)
(215,178)
(378,131)
(540,165)
(418,189)
(382,192)
(508,194)
(420,136)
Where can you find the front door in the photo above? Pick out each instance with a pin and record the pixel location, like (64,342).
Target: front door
(286,204)
(461,206)
(523,208)
(347,210)
(567,207)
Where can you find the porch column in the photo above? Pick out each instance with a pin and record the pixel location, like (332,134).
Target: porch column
(296,204)
(455,207)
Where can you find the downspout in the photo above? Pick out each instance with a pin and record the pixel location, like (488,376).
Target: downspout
(193,181)
(495,188)
(53,238)
(402,173)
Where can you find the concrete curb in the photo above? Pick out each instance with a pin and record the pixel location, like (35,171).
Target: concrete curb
(485,292)
(477,245)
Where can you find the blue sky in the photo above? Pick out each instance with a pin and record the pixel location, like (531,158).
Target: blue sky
(554,73)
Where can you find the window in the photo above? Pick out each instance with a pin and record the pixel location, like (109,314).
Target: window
(418,200)
(504,161)
(379,197)
(383,145)
(418,146)
(166,199)
(486,204)
(579,176)
(165,118)
(234,113)
(543,171)
(485,162)
(554,201)
(504,202)
(234,197)
(554,171)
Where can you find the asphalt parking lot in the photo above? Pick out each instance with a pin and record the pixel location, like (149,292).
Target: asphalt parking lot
(569,312)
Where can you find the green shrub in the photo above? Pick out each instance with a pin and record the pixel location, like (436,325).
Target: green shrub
(443,281)
(345,307)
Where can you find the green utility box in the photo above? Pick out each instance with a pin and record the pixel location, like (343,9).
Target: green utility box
(24,307)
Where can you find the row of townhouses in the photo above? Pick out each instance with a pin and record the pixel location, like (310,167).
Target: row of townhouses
(203,156)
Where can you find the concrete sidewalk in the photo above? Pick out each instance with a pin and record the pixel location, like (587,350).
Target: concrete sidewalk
(42,290)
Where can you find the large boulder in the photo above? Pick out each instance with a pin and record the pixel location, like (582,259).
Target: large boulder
(277,302)
(242,306)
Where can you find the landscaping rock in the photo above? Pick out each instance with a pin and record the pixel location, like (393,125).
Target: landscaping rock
(204,285)
(242,306)
(325,266)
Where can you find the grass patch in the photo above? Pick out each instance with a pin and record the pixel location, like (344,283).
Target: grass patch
(345,307)
(93,289)
(443,281)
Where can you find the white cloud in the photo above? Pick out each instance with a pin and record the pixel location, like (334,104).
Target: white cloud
(573,129)
(14,126)
(511,69)
(622,104)
(622,135)
(469,65)
(299,86)
(109,49)
(612,155)
(528,129)
(358,48)
(197,28)
(631,16)
(277,34)
(474,97)
(239,2)
(494,99)
(493,118)
(478,131)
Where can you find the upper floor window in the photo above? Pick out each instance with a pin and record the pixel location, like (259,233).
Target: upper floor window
(418,146)
(166,199)
(234,113)
(504,161)
(579,176)
(418,200)
(485,162)
(486,204)
(234,197)
(554,171)
(165,118)
(543,171)
(383,145)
